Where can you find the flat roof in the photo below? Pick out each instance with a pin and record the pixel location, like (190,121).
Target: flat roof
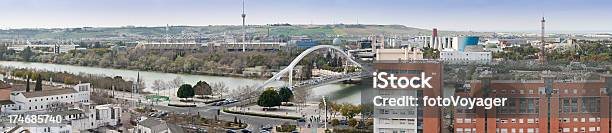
(46,90)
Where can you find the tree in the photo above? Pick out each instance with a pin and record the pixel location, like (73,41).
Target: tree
(335,122)
(176,82)
(28,83)
(285,94)
(38,86)
(349,110)
(269,98)
(352,122)
(27,54)
(158,85)
(202,88)
(185,91)
(219,88)
(301,95)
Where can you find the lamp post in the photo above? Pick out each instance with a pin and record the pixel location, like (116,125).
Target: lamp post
(325,104)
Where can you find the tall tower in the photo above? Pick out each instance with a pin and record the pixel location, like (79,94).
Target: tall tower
(542,48)
(243,28)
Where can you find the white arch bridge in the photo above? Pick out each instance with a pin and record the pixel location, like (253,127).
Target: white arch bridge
(289,69)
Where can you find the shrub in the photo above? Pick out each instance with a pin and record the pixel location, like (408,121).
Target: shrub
(335,122)
(352,122)
(286,128)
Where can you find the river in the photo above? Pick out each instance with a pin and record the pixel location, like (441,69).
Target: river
(342,93)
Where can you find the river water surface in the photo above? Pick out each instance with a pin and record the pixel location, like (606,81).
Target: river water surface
(337,92)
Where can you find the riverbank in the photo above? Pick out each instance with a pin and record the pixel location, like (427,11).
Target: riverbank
(204,73)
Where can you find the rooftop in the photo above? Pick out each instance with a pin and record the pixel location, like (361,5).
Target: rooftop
(151,122)
(46,91)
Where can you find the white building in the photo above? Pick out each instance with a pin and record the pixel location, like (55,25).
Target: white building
(48,98)
(92,117)
(62,128)
(76,120)
(466,57)
(151,125)
(399,54)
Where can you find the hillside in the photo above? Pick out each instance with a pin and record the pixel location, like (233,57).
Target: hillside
(316,31)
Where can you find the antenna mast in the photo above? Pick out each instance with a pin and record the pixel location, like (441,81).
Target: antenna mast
(243,28)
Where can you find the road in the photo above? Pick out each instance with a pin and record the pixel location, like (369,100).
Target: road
(205,111)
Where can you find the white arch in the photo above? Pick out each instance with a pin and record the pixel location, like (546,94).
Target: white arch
(301,56)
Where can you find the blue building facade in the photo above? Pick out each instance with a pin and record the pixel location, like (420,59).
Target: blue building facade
(468,41)
(306,43)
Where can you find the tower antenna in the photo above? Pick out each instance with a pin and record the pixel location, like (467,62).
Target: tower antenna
(243,28)
(542,46)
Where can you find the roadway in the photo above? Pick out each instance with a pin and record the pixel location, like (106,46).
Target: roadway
(204,111)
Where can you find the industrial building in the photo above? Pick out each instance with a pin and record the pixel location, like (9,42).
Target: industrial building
(168,45)
(537,106)
(458,57)
(408,119)
(399,54)
(250,46)
(305,43)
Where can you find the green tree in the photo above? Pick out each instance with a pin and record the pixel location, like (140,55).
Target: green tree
(38,86)
(269,98)
(349,110)
(185,91)
(335,122)
(28,83)
(285,94)
(27,54)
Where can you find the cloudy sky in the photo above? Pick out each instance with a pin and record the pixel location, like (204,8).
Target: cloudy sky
(472,15)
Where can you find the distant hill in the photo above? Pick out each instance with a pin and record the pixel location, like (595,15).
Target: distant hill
(315,31)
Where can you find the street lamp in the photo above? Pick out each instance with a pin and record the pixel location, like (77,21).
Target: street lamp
(325,104)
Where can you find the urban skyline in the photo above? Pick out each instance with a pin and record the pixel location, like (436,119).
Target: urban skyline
(457,15)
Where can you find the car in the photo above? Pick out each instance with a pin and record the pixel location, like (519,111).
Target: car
(343,122)
(202,130)
(245,131)
(163,114)
(264,131)
(230,131)
(301,120)
(295,132)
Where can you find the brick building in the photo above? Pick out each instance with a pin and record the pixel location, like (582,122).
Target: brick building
(537,106)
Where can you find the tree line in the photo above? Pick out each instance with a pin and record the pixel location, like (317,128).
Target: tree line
(97,81)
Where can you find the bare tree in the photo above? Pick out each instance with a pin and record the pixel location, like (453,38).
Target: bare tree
(158,85)
(219,88)
(176,82)
(301,95)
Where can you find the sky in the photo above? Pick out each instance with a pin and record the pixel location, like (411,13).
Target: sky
(458,15)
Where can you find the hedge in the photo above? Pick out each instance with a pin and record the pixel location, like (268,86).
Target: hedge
(262,115)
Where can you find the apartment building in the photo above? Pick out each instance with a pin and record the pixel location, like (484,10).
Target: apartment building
(409,119)
(537,106)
